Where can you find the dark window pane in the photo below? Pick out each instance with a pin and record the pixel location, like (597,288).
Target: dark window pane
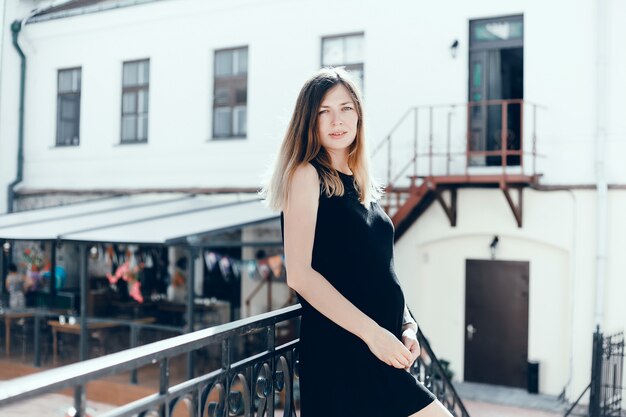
(333,51)
(130,74)
(68,134)
(353,49)
(221,122)
(142,101)
(143,73)
(129,128)
(142,127)
(69,107)
(239,121)
(129,102)
(478,74)
(222,96)
(242,61)
(69,81)
(223,63)
(241,95)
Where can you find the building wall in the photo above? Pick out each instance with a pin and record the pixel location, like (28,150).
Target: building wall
(558,239)
(9,93)
(407,62)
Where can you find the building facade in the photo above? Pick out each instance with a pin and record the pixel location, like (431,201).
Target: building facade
(182,95)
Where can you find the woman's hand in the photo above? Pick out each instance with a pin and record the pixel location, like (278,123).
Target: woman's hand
(409,338)
(386,347)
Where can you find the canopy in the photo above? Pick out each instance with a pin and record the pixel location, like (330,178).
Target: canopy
(144,219)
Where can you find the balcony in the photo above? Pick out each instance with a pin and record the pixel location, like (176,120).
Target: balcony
(264,382)
(435,150)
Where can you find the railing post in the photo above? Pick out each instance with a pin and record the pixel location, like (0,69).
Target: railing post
(448,140)
(430,141)
(534,139)
(84,283)
(193,253)
(226,361)
(134,330)
(37,318)
(389,160)
(164,383)
(596,375)
(271,346)
(2,272)
(503,136)
(415,135)
(80,400)
(53,274)
(521,135)
(468,135)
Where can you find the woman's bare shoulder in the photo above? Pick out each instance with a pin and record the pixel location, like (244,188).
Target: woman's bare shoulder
(305,176)
(304,187)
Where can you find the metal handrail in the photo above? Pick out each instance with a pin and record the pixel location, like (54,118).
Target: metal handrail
(244,386)
(503,152)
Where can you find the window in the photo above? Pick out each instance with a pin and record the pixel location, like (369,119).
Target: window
(346,51)
(68,107)
(230,93)
(135,98)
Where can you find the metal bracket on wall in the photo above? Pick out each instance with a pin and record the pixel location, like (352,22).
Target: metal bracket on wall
(516,208)
(450,210)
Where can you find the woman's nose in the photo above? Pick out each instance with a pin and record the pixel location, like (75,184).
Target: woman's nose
(336,119)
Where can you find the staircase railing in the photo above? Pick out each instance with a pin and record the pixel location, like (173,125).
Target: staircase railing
(440,140)
(260,383)
(428,370)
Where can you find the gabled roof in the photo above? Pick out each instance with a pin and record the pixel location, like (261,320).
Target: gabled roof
(81,7)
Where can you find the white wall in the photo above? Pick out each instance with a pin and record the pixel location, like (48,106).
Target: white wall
(559,244)
(10,10)
(407,62)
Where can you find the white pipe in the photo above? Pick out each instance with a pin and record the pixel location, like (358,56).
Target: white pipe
(601,185)
(572,292)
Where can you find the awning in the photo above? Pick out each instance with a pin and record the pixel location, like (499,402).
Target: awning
(166,219)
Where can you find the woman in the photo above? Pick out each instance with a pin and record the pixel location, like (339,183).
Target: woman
(16,285)
(357,338)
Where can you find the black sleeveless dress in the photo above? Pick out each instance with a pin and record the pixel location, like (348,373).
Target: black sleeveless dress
(339,375)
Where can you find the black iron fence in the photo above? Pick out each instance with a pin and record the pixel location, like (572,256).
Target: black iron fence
(607,370)
(257,384)
(605,398)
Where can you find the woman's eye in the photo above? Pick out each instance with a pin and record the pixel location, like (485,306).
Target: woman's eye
(347,108)
(323,111)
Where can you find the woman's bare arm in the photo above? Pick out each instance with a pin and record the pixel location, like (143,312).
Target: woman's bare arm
(299,231)
(408,321)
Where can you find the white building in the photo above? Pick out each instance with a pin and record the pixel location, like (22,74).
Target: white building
(208,89)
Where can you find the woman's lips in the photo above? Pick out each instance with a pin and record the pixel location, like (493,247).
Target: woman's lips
(338,136)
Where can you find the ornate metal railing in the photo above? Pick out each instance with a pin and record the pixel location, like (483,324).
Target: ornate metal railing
(255,385)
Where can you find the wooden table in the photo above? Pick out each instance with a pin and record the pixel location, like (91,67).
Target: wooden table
(57,327)
(9,316)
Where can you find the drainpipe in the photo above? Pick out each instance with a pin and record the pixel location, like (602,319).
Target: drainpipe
(601,185)
(572,294)
(16,27)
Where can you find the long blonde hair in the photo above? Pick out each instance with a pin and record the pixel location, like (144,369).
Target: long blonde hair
(302,144)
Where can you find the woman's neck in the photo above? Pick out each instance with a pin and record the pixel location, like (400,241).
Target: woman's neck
(340,161)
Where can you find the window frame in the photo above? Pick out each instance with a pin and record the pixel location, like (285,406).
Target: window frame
(135,89)
(58,143)
(232,83)
(349,66)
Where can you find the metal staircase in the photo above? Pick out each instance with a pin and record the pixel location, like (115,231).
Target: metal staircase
(440,161)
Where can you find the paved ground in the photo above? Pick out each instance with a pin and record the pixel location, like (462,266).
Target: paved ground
(480,401)
(55,405)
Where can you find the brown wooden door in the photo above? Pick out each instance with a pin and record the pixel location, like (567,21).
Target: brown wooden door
(496,322)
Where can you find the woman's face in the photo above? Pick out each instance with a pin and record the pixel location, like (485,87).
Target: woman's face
(337,120)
